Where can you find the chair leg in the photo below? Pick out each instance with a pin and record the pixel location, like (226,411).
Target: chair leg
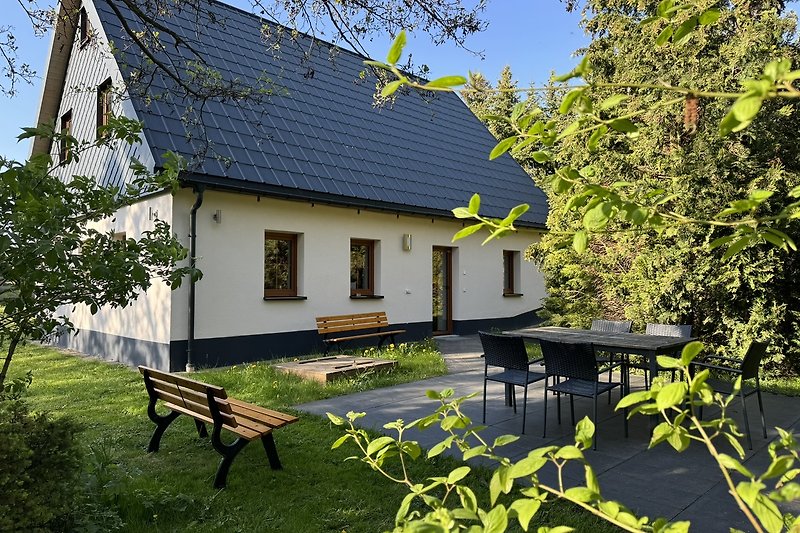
(572,408)
(594,420)
(544,424)
(484,400)
(558,406)
(761,410)
(524,406)
(746,422)
(513,390)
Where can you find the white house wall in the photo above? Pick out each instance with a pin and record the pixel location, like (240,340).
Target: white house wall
(139,333)
(229,298)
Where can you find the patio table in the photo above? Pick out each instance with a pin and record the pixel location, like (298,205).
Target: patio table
(649,346)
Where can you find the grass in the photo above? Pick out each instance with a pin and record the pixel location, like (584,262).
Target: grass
(317,491)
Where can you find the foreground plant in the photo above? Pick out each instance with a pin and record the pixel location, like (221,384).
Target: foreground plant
(446,503)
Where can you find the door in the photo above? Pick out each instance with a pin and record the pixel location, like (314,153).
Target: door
(442,294)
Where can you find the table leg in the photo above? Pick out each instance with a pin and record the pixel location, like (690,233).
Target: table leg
(653,363)
(509,394)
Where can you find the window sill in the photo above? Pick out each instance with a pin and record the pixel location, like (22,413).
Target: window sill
(512,294)
(279,298)
(366,297)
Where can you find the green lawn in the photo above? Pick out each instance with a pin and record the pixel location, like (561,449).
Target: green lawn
(172,490)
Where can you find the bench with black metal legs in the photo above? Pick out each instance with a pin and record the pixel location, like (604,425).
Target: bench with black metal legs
(747,368)
(360,326)
(508,353)
(573,367)
(209,404)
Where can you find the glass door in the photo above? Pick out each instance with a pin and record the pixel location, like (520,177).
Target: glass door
(441,292)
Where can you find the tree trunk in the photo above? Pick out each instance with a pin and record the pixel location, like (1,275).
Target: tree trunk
(11,348)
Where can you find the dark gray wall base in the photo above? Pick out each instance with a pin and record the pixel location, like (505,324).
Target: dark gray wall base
(131,352)
(470,327)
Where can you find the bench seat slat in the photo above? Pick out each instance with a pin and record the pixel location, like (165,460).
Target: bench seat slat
(366,335)
(273,419)
(377,314)
(228,420)
(244,432)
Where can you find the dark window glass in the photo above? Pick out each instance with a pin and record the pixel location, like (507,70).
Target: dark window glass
(66,129)
(509,260)
(104,97)
(280,264)
(83,26)
(362,267)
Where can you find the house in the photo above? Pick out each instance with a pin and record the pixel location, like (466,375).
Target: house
(311,202)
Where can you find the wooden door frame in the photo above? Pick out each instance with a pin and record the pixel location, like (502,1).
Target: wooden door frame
(448,254)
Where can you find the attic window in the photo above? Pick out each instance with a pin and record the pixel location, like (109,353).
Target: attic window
(104,97)
(64,144)
(83,26)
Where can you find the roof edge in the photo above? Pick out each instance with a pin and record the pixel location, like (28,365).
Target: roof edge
(277,191)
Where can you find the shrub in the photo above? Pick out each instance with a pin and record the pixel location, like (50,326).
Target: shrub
(40,464)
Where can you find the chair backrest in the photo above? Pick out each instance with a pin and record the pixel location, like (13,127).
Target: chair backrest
(504,350)
(752,359)
(612,326)
(569,360)
(669,330)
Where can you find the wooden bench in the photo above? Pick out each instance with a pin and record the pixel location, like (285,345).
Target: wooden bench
(332,327)
(210,404)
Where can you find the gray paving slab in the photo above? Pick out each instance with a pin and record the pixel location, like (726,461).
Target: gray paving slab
(657,482)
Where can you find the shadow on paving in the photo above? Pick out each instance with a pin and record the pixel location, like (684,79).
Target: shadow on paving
(654,483)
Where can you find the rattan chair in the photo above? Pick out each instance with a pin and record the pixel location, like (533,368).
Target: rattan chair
(573,367)
(747,368)
(665,330)
(608,362)
(508,353)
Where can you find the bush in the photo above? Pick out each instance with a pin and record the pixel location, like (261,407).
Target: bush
(40,465)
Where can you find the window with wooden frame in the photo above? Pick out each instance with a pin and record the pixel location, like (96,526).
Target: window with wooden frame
(83,26)
(280,264)
(362,267)
(510,273)
(104,98)
(64,149)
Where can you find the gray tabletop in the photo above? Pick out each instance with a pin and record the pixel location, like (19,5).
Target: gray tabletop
(635,343)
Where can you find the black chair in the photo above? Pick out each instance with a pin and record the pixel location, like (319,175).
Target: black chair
(747,368)
(665,330)
(574,371)
(608,362)
(509,353)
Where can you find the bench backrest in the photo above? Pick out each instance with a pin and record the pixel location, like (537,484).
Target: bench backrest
(341,323)
(188,394)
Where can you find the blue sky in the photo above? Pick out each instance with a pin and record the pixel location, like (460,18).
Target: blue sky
(533,37)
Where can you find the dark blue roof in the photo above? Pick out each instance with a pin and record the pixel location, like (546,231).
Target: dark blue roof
(319,134)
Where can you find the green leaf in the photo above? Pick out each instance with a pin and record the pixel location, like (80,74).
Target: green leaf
(466,232)
(632,399)
(624,125)
(746,107)
(596,136)
(778,467)
(569,452)
(612,101)
(525,508)
(341,440)
(504,440)
(475,204)
(597,218)
(496,520)
(402,511)
(541,157)
(391,87)
(684,31)
(660,433)
(709,16)
(458,474)
(671,395)
(732,464)
(397,48)
(502,147)
(664,36)
(336,420)
(736,247)
(526,466)
(377,64)
(690,352)
(580,241)
(569,100)
(468,499)
(581,494)
(378,444)
(447,81)
(461,212)
(474,452)
(584,431)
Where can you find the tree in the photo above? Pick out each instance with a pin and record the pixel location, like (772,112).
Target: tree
(51,253)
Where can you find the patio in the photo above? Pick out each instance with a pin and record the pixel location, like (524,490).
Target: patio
(660,482)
